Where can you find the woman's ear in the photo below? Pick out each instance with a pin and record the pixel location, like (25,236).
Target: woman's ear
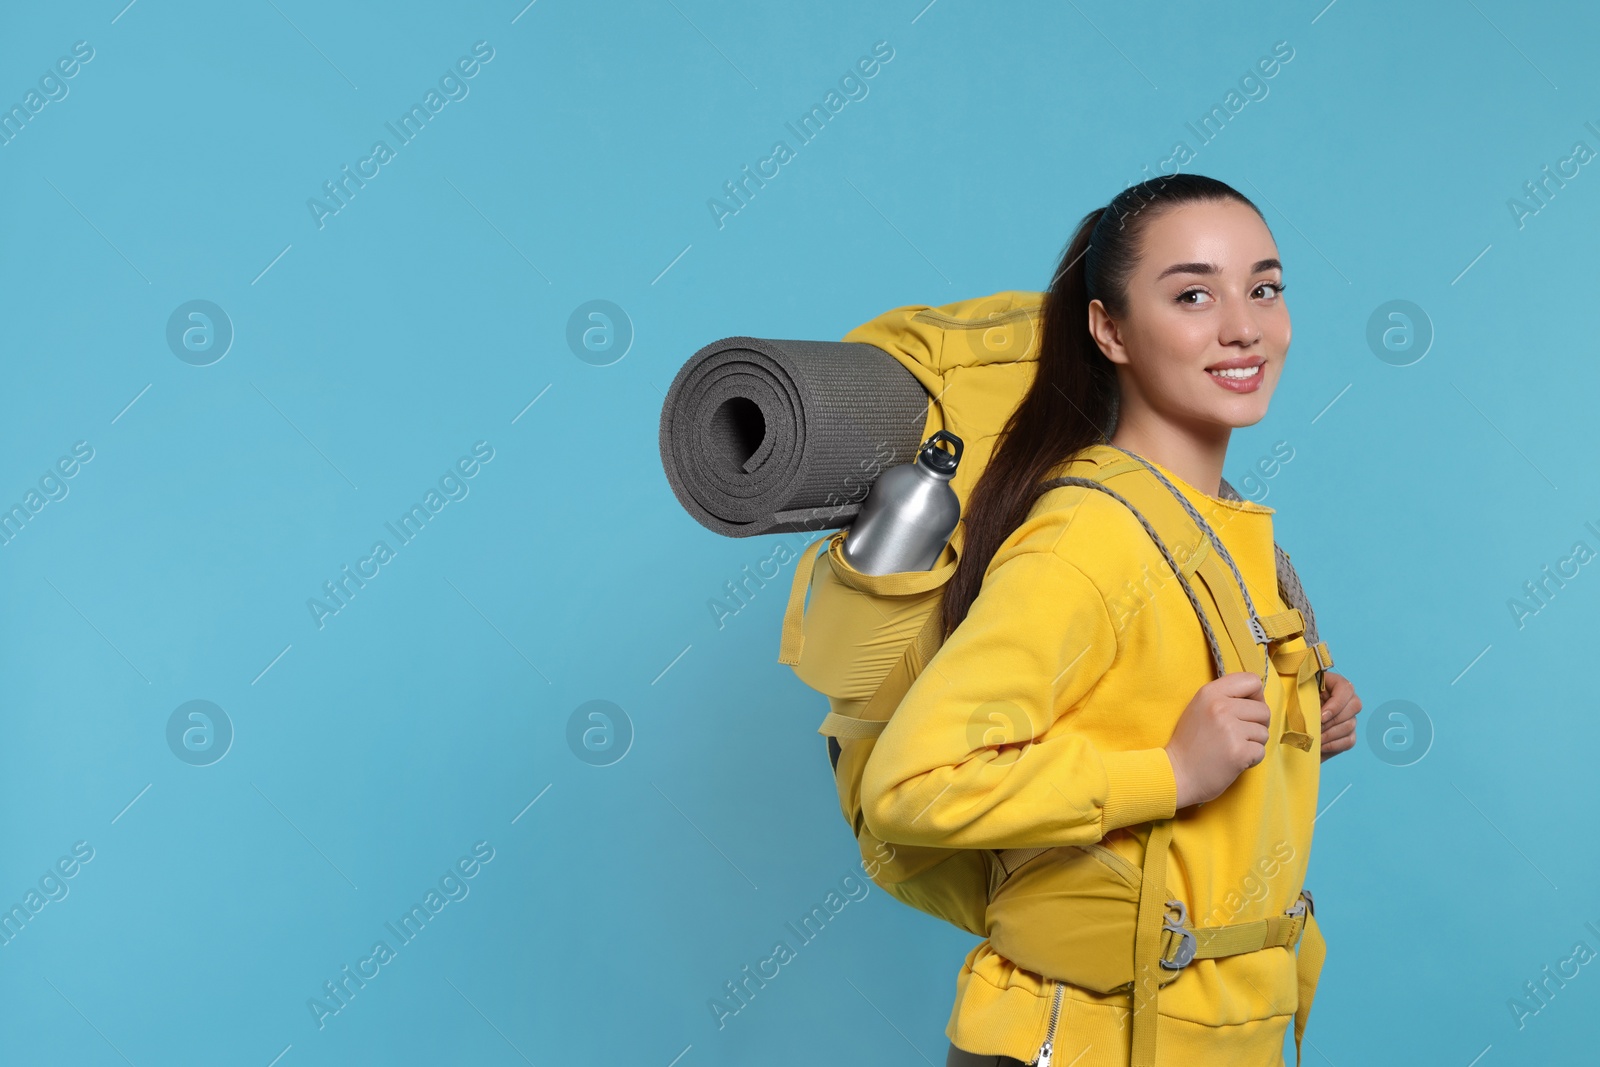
(1103,328)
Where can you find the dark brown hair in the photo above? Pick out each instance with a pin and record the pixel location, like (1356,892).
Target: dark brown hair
(1072,402)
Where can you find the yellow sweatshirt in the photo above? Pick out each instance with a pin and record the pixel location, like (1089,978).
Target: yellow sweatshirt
(1078,631)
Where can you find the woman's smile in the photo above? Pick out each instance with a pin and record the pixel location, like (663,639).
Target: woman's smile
(1242,374)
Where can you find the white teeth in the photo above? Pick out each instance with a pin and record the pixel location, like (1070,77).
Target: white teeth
(1237,372)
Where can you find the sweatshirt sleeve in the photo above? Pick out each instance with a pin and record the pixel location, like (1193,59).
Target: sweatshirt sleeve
(974,755)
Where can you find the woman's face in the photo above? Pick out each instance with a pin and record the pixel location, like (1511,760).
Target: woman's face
(1204,297)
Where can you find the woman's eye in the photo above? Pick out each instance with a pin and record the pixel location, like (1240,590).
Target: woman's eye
(1192,292)
(1276,287)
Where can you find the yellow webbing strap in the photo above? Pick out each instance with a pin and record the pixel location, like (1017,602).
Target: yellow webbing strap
(1324,661)
(1284,624)
(850,728)
(1297,666)
(1308,965)
(1211,942)
(1218,582)
(1286,931)
(1147,944)
(794,635)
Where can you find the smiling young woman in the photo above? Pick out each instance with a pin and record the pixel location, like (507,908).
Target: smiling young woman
(1164,330)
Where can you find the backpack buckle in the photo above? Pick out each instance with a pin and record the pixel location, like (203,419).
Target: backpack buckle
(1187,945)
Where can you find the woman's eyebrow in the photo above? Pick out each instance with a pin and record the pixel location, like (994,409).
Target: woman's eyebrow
(1211,268)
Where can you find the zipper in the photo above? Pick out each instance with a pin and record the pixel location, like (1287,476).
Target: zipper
(1047,1049)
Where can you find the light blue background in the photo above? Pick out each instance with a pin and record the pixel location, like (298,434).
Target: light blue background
(431,311)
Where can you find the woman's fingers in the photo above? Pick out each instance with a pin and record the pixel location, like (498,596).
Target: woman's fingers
(1342,741)
(1338,695)
(1339,732)
(1339,710)
(1329,751)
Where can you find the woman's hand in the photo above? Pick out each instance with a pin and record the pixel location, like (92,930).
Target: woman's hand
(1339,707)
(1221,733)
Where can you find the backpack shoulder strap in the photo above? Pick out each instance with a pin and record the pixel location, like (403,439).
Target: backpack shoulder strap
(1251,631)
(1177,569)
(1289,586)
(1294,594)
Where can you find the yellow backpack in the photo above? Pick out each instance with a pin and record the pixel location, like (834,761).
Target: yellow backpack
(862,639)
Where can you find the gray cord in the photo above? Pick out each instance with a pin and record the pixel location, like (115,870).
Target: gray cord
(1256,629)
(1211,637)
(1289,586)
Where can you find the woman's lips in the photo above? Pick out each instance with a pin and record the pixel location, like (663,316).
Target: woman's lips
(1241,385)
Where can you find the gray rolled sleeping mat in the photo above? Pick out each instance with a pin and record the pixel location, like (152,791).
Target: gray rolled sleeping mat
(762,436)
